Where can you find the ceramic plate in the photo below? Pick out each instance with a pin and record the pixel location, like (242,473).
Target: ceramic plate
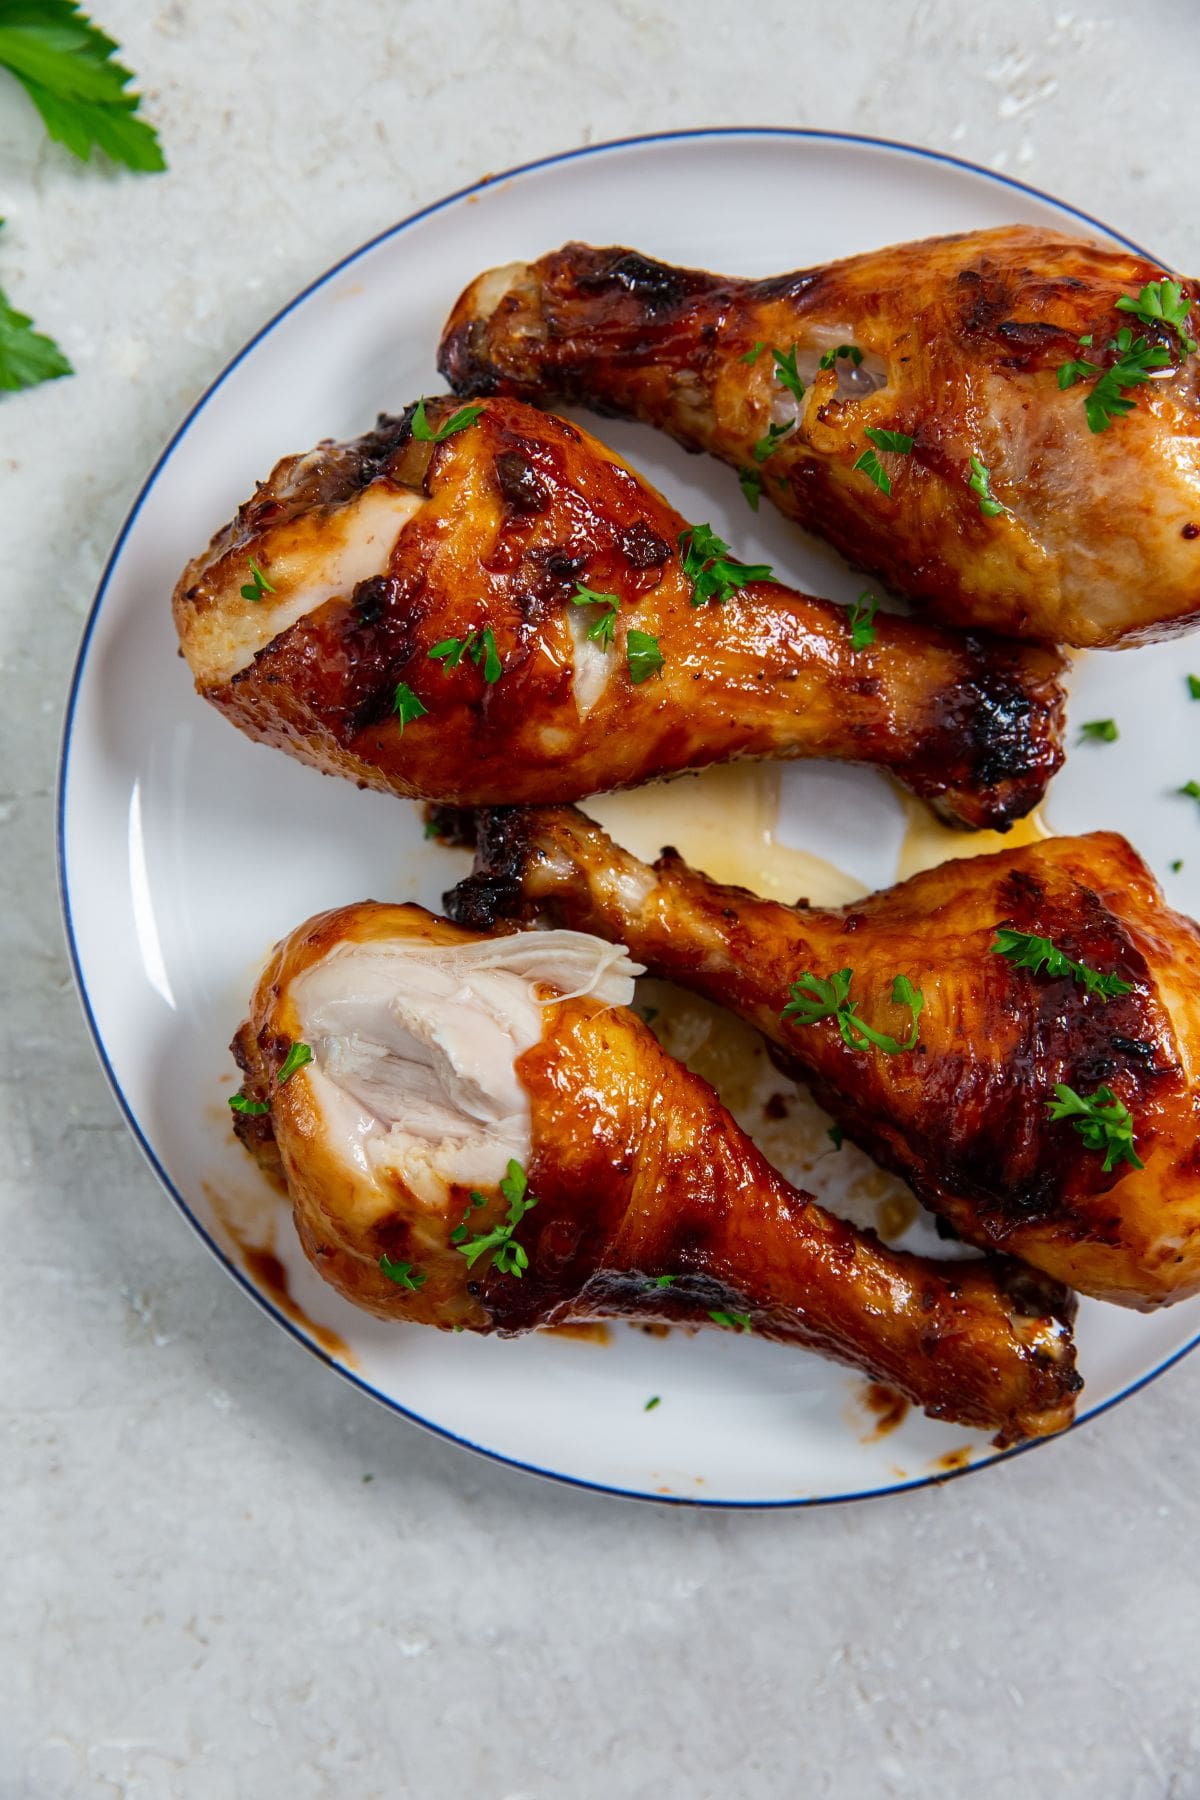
(186,850)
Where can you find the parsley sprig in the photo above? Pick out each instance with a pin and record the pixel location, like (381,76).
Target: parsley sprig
(508,1257)
(862,620)
(980,482)
(258,584)
(815,998)
(1099,731)
(298,1055)
(27,357)
(831,356)
(479,645)
(731,1321)
(1162,302)
(1106,398)
(785,372)
(767,446)
(1042,956)
(1102,1121)
(422,429)
(407,706)
(67,67)
(604,629)
(751,484)
(643,656)
(240,1103)
(713,573)
(404,1274)
(897,442)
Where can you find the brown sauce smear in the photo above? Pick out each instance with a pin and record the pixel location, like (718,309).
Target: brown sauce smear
(889,1408)
(267,1271)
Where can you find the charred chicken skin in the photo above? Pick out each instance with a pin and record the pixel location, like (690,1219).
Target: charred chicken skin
(999,505)
(486,1136)
(962,1103)
(505,616)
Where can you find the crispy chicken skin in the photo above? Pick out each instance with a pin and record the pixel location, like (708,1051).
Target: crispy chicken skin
(439,1054)
(961,340)
(963,1117)
(351,565)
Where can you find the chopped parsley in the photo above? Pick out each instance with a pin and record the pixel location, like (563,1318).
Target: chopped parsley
(1193,686)
(713,573)
(643,655)
(258,585)
(1176,866)
(402,1273)
(479,645)
(1099,731)
(862,620)
(898,442)
(508,1257)
(652,1402)
(1190,789)
(831,356)
(1162,302)
(663,1281)
(1106,398)
(754,352)
(240,1104)
(814,998)
(422,429)
(732,1321)
(604,629)
(407,706)
(296,1058)
(767,446)
(980,482)
(1101,1120)
(1043,957)
(785,372)
(836,1136)
(750,482)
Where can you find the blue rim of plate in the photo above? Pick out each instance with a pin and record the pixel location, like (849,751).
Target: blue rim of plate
(544,162)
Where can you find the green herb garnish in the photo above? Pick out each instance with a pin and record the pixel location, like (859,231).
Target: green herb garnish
(713,573)
(479,645)
(862,616)
(663,1281)
(1099,731)
(652,1402)
(732,1321)
(836,1136)
(407,706)
(750,482)
(643,655)
(603,631)
(65,64)
(422,429)
(1162,302)
(1101,1121)
(980,482)
(831,356)
(258,585)
(896,441)
(785,372)
(1105,400)
(1176,866)
(1191,789)
(754,352)
(1193,684)
(767,446)
(296,1058)
(239,1104)
(27,357)
(508,1257)
(1043,957)
(402,1273)
(814,998)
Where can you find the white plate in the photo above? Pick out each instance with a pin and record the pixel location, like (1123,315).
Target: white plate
(186,851)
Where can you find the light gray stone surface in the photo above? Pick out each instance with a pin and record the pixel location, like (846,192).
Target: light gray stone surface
(202,1595)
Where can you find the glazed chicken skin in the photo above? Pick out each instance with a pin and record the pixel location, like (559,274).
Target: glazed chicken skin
(1095,536)
(444,1065)
(964,1115)
(439,579)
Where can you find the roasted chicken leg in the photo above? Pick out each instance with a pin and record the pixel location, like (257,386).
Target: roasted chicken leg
(1097,995)
(485,1136)
(1005,501)
(504,615)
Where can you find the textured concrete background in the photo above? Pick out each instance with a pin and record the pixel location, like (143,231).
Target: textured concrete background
(202,1595)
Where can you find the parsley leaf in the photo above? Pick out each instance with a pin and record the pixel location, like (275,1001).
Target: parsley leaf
(643,655)
(1191,789)
(785,372)
(1101,1120)
(732,1321)
(1162,301)
(240,1104)
(1176,866)
(508,1257)
(604,629)
(652,1402)
(862,614)
(980,482)
(1040,955)
(402,1273)
(898,442)
(296,1058)
(1099,731)
(407,705)
(767,446)
(479,645)
(713,573)
(750,482)
(754,352)
(836,1136)
(27,357)
(663,1281)
(423,430)
(65,64)
(1193,684)
(258,585)
(814,998)
(1106,399)
(831,356)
